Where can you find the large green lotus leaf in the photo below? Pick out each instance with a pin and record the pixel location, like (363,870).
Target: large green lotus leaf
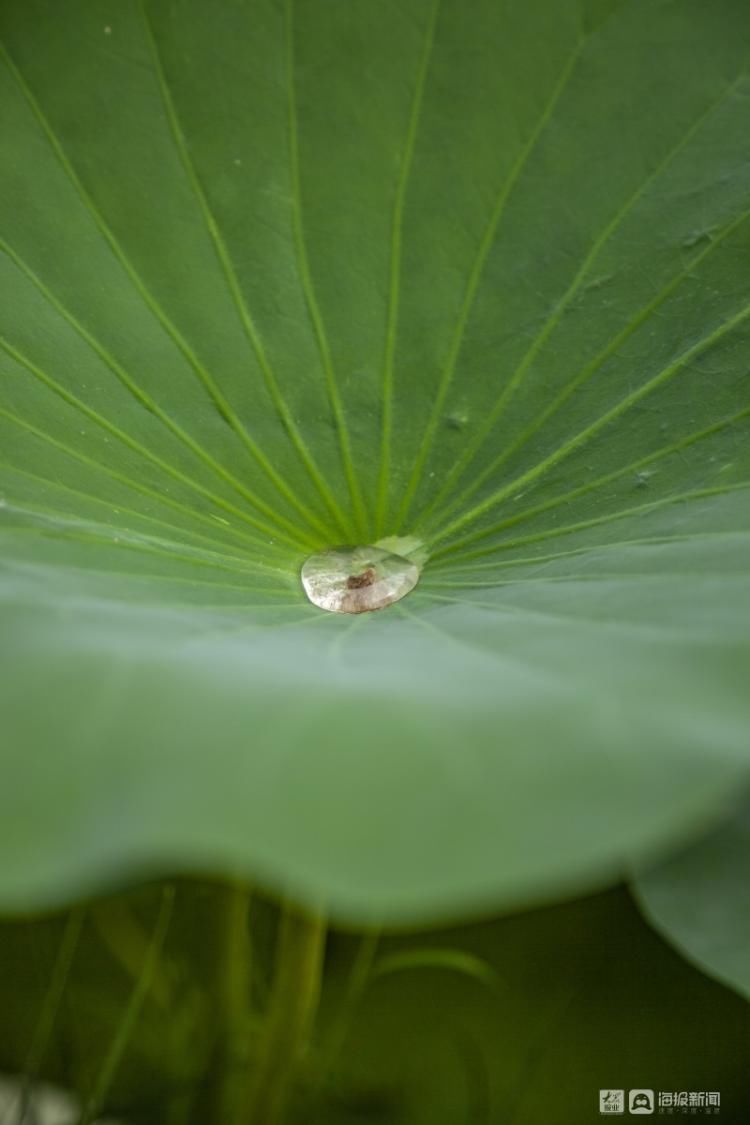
(281,276)
(698,900)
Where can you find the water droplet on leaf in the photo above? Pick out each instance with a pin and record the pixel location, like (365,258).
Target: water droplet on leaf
(358,579)
(695,237)
(598,282)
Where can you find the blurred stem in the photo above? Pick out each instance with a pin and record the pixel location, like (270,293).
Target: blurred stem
(114,1054)
(291,1013)
(359,978)
(49,1012)
(233,964)
(128,943)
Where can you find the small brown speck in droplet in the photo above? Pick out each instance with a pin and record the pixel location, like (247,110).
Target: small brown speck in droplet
(359,581)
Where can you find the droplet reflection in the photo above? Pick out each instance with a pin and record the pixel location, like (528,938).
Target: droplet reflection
(358,579)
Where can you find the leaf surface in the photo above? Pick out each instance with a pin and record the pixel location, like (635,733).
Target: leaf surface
(698,900)
(281,276)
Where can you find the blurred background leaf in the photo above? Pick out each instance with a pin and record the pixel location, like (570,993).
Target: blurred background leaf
(697,899)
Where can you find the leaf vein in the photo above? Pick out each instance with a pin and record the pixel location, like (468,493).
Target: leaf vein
(238,298)
(560,307)
(395,271)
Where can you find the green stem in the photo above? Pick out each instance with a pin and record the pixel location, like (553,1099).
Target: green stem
(116,1050)
(233,964)
(128,943)
(50,1010)
(291,1012)
(359,978)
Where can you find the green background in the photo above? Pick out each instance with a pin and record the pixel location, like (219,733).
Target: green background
(557,1004)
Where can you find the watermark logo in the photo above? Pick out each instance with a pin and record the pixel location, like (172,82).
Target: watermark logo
(641,1101)
(611,1101)
(661,1102)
